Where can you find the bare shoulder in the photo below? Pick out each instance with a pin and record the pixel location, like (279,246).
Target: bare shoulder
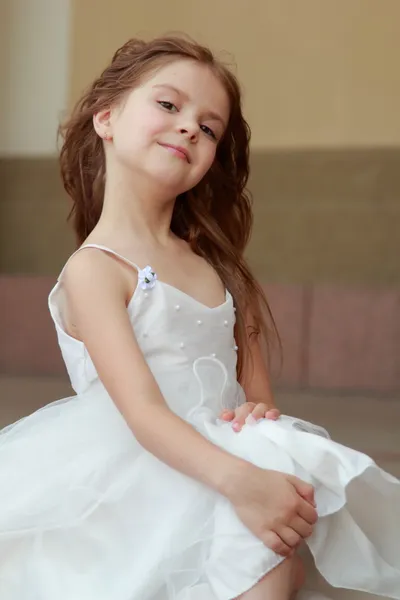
(92,271)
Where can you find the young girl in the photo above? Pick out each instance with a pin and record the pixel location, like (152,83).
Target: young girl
(139,487)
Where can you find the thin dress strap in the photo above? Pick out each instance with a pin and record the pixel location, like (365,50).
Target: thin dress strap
(104,249)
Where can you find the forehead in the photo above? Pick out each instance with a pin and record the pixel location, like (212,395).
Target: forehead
(195,80)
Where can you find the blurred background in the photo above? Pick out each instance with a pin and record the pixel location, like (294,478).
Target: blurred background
(321,84)
(321,89)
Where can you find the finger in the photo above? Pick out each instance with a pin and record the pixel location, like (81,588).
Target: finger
(227,415)
(259,411)
(275,543)
(241,415)
(273,414)
(301,527)
(307,512)
(290,537)
(308,494)
(304,489)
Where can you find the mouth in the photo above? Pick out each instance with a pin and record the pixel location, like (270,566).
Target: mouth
(178,151)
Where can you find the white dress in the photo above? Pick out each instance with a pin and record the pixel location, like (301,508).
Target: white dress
(87,514)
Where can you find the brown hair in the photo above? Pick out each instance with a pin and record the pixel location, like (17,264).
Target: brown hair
(215,217)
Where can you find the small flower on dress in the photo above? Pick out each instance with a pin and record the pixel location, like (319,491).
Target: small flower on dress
(147,278)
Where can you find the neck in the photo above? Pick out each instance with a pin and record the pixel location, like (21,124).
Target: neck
(137,208)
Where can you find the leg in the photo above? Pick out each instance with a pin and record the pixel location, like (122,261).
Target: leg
(281,583)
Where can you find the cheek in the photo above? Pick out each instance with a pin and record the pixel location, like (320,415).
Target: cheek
(134,132)
(208,157)
(204,165)
(152,122)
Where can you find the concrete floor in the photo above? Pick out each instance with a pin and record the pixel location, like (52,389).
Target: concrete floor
(365,422)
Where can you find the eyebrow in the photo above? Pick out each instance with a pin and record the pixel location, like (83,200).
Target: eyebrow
(213,115)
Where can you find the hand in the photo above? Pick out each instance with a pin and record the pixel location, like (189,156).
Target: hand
(249,409)
(277,508)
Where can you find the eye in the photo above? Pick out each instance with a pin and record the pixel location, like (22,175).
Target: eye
(208,131)
(168,106)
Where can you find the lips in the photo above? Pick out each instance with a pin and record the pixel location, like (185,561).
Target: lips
(179,151)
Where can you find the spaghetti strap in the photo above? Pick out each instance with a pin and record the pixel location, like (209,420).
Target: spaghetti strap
(104,249)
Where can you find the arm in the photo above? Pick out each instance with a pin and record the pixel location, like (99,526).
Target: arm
(256,380)
(257,388)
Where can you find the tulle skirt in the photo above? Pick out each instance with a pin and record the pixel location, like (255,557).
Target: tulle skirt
(86,513)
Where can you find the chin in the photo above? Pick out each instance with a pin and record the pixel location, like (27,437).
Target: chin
(172,181)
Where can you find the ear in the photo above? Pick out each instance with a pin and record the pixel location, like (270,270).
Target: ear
(102,125)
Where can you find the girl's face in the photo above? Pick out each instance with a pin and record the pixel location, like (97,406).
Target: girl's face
(169,127)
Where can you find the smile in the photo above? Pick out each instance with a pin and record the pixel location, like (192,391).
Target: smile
(178,151)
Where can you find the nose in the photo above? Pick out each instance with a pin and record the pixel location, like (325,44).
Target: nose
(189,130)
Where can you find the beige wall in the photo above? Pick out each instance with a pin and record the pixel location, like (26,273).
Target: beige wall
(34,57)
(4,57)
(315,73)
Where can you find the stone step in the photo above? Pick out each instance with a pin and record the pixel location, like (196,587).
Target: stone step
(320,216)
(334,337)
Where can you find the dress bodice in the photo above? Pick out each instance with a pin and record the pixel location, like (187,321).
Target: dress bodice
(189,347)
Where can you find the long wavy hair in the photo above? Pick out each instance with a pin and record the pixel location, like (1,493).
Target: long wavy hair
(215,217)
